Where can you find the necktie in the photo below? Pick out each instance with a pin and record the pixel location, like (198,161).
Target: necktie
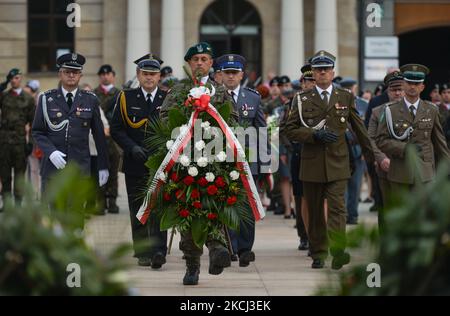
(233,95)
(325,97)
(412,110)
(69,99)
(149,100)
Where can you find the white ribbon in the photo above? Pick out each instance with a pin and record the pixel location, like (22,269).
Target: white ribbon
(319,126)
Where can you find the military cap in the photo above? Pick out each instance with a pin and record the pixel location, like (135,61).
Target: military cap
(274,81)
(307,73)
(296,84)
(149,63)
(436,87)
(393,79)
(347,82)
(216,66)
(414,72)
(34,85)
(337,80)
(444,87)
(13,72)
(71,61)
(283,80)
(231,62)
(166,70)
(200,48)
(322,59)
(105,69)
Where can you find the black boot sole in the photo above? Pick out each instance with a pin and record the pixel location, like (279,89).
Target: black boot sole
(246,258)
(219,261)
(157,261)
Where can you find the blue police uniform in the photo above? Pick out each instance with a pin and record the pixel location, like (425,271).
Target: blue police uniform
(60,127)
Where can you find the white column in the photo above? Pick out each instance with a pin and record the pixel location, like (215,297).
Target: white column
(172,36)
(292,42)
(138,34)
(326,33)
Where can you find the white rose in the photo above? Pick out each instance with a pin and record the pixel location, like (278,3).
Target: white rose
(200,145)
(234,175)
(202,162)
(184,160)
(222,156)
(162,176)
(210,177)
(193,171)
(197,92)
(169,144)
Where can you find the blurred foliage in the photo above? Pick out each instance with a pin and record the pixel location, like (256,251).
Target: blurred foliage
(413,249)
(38,243)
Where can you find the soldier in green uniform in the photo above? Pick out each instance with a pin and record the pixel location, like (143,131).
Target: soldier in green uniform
(444,105)
(16,111)
(200,60)
(411,122)
(319,119)
(107,93)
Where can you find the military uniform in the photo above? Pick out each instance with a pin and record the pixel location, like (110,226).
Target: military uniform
(107,102)
(133,110)
(325,169)
(16,110)
(400,129)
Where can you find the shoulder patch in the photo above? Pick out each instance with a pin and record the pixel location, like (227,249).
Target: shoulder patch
(342,90)
(51,91)
(251,90)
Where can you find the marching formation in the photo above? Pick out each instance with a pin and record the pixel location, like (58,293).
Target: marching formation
(329,137)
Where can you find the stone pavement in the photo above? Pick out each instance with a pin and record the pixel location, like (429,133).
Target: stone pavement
(280,269)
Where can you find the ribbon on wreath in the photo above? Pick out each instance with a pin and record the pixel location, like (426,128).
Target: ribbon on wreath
(200,105)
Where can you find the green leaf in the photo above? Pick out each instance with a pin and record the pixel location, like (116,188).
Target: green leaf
(155,161)
(176,118)
(169,219)
(225,111)
(199,231)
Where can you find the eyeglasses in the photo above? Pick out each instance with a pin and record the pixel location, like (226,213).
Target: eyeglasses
(69,72)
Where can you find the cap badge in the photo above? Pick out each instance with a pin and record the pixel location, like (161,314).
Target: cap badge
(74,57)
(230,58)
(199,48)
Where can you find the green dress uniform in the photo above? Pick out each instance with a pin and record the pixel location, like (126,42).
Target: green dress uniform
(16,111)
(325,165)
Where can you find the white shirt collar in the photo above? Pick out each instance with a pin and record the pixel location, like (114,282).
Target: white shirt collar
(205,79)
(153,93)
(18,91)
(236,92)
(64,91)
(415,104)
(329,90)
(108,87)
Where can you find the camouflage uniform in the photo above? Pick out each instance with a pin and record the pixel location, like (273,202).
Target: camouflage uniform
(15,111)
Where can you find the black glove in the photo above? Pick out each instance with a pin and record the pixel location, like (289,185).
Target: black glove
(138,154)
(325,136)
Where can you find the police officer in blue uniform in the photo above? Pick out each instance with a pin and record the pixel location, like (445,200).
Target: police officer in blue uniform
(62,122)
(248,102)
(134,110)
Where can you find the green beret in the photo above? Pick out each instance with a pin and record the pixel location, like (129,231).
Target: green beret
(414,72)
(200,48)
(14,72)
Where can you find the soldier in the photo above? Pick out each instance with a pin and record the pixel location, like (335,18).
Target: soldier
(200,60)
(444,105)
(16,111)
(134,110)
(435,97)
(319,119)
(248,103)
(63,119)
(107,93)
(394,82)
(411,122)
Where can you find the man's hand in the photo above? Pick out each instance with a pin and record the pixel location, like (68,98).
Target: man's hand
(57,159)
(103,176)
(138,154)
(325,136)
(384,164)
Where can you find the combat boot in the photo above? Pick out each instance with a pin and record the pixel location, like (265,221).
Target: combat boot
(192,271)
(112,206)
(219,257)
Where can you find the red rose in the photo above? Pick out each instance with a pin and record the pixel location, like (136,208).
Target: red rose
(232,200)
(195,194)
(180,195)
(167,196)
(184,213)
(220,182)
(212,216)
(202,182)
(188,180)
(197,205)
(174,177)
(212,190)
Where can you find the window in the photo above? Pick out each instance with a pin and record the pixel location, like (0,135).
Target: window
(48,34)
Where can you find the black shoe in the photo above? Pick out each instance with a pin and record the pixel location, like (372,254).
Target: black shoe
(112,206)
(303,244)
(192,271)
(219,258)
(339,261)
(309,253)
(317,264)
(245,258)
(234,258)
(144,262)
(368,200)
(158,260)
(374,208)
(352,221)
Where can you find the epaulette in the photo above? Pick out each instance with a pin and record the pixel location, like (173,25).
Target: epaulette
(89,92)
(431,103)
(389,103)
(305,91)
(50,91)
(342,90)
(252,90)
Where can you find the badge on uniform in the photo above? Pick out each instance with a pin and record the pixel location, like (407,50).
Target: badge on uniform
(340,107)
(79,109)
(244,109)
(342,119)
(304,98)
(78,113)
(59,114)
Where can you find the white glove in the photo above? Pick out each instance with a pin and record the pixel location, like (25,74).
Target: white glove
(57,158)
(103,176)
